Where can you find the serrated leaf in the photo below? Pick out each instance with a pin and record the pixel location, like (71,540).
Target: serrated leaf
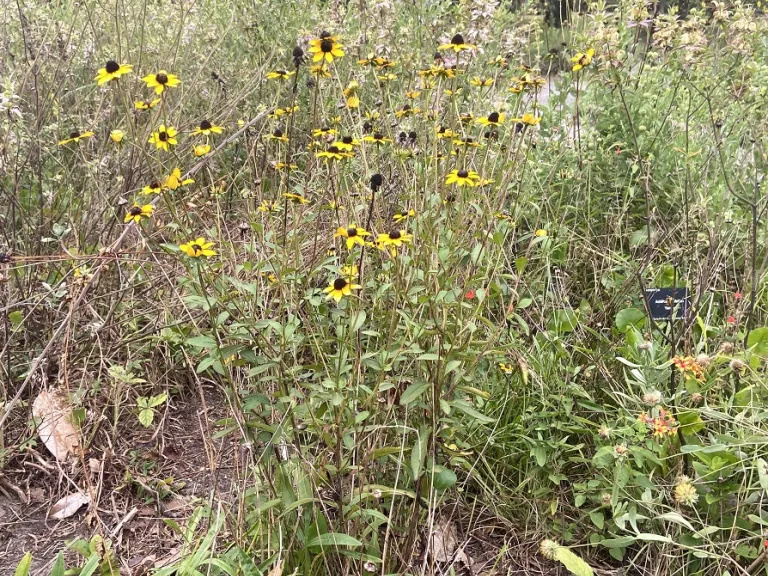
(146,417)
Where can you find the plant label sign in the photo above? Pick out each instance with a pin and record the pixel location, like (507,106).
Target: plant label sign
(666,302)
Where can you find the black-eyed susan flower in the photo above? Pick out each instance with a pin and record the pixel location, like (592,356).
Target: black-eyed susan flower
(161,81)
(320,71)
(482,82)
(406,111)
(284,166)
(507,368)
(154,188)
(268,206)
(517,86)
(413,94)
(499,62)
(146,104)
(112,71)
(280,74)
(116,136)
(468,142)
(75,137)
(324,132)
(530,79)
(198,248)
(462,178)
(457,44)
(174,180)
(332,153)
(347,143)
(136,213)
(164,138)
(353,235)
(582,59)
(351,94)
(201,150)
(493,119)
(278,135)
(339,288)
(403,215)
(393,240)
(528,119)
(466,118)
(325,48)
(377,138)
(296,198)
(206,129)
(382,78)
(444,132)
(349,273)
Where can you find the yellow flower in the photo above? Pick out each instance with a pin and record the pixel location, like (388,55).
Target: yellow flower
(340,288)
(349,273)
(477,81)
(413,94)
(154,188)
(499,61)
(164,138)
(470,142)
(197,248)
(493,119)
(206,129)
(457,44)
(326,48)
(528,119)
(136,213)
(161,81)
(324,132)
(377,138)
(393,240)
(347,143)
(333,153)
(75,137)
(685,491)
(444,132)
(144,105)
(117,136)
(402,215)
(284,166)
(353,234)
(278,135)
(320,70)
(173,181)
(201,149)
(462,178)
(350,93)
(506,368)
(278,112)
(406,111)
(582,59)
(112,71)
(268,206)
(296,198)
(386,77)
(280,74)
(540,233)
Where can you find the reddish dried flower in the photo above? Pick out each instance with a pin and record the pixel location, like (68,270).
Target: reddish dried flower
(470,294)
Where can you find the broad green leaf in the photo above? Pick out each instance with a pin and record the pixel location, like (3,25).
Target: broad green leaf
(202,342)
(758,341)
(332,539)
(157,400)
(23,568)
(146,417)
(690,422)
(572,563)
(444,479)
(413,392)
(562,321)
(628,318)
(597,519)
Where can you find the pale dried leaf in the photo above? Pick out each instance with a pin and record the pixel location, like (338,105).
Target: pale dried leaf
(443,541)
(56,427)
(277,570)
(69,505)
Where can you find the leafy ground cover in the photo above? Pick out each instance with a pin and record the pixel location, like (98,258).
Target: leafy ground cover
(360,288)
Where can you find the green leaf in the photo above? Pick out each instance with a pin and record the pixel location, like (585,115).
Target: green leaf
(597,519)
(413,392)
(146,417)
(444,479)
(332,539)
(690,422)
(520,264)
(572,563)
(358,321)
(23,568)
(16,318)
(469,411)
(157,400)
(762,473)
(90,567)
(562,321)
(202,342)
(419,451)
(758,341)
(58,566)
(628,318)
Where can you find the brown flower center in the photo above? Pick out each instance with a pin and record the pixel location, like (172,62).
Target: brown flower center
(493,117)
(75,134)
(394,235)
(161,78)
(352,232)
(347,139)
(462,174)
(135,211)
(326,45)
(112,67)
(457,39)
(333,150)
(277,133)
(162,135)
(339,284)
(205,125)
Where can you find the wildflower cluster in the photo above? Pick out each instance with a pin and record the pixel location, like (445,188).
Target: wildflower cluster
(661,423)
(689,367)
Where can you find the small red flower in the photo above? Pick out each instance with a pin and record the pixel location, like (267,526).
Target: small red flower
(737,295)
(618,151)
(470,294)
(731,320)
